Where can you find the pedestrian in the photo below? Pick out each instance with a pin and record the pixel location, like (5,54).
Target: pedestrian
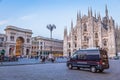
(1,59)
(43,59)
(53,59)
(40,58)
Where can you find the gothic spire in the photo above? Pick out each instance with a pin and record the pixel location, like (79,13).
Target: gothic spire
(65,32)
(106,11)
(71,24)
(99,16)
(90,11)
(78,15)
(95,14)
(117,26)
(112,21)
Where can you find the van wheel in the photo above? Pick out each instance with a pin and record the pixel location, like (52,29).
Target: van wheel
(101,70)
(78,68)
(93,69)
(70,66)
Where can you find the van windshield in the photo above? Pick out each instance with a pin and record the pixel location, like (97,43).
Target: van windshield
(74,56)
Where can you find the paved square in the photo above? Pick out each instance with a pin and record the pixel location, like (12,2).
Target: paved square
(57,71)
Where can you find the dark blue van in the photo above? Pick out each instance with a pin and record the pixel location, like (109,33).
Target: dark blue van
(95,59)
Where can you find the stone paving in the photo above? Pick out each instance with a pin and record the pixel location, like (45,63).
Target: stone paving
(25,61)
(57,71)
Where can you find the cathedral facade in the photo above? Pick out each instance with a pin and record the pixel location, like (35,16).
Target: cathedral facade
(91,32)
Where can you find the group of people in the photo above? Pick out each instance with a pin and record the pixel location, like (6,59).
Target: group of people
(44,58)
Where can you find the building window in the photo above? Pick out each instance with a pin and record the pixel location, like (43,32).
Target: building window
(96,35)
(41,43)
(85,27)
(1,44)
(105,43)
(12,38)
(1,39)
(41,47)
(28,40)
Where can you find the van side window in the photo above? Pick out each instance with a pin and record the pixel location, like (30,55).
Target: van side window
(82,56)
(92,57)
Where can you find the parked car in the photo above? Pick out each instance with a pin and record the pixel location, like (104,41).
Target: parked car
(116,57)
(95,59)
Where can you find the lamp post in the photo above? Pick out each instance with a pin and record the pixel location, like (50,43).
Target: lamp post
(51,27)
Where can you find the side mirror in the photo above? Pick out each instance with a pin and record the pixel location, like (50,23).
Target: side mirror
(70,58)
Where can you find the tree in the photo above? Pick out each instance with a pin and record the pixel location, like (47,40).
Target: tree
(2,52)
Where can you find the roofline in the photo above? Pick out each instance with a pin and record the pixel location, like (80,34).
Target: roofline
(18,29)
(46,38)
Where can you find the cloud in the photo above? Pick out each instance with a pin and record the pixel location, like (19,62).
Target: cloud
(3,22)
(28,17)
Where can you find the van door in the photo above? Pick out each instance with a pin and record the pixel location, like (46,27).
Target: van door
(74,59)
(81,62)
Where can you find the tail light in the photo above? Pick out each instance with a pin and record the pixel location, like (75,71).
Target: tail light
(100,62)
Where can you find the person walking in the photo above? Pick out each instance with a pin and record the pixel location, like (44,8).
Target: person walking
(1,59)
(43,59)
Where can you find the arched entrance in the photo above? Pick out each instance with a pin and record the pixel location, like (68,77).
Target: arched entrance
(19,46)
(10,51)
(27,51)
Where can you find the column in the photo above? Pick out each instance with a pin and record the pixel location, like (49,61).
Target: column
(7,51)
(24,50)
(14,50)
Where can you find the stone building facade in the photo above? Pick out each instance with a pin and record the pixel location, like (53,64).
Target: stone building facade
(91,31)
(2,41)
(41,46)
(117,37)
(16,41)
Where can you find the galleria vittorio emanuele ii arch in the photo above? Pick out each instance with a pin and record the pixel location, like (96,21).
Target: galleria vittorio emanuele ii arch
(18,41)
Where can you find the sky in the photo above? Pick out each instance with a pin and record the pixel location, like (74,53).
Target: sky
(37,14)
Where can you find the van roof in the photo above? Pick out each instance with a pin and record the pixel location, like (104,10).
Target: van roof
(90,49)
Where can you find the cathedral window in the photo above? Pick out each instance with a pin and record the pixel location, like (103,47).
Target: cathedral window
(96,35)
(105,43)
(69,45)
(96,43)
(69,54)
(85,38)
(85,27)
(75,45)
(75,37)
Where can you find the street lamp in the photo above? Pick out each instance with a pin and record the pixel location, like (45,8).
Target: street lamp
(51,27)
